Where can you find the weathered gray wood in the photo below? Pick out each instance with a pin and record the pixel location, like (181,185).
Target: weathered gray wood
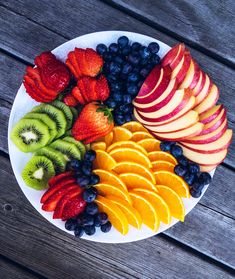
(206,25)
(201,229)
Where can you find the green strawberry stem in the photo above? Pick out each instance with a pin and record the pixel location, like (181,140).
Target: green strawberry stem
(107,112)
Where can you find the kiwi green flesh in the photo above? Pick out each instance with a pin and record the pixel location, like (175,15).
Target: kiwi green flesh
(55,114)
(67,112)
(30,134)
(68,133)
(79,144)
(46,120)
(75,113)
(68,149)
(56,157)
(37,172)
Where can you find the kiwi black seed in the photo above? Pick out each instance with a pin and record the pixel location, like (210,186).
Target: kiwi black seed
(55,114)
(79,144)
(37,172)
(30,134)
(67,112)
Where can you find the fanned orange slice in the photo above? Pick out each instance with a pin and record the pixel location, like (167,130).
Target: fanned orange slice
(162,165)
(172,181)
(130,212)
(110,178)
(116,216)
(134,126)
(98,145)
(146,211)
(132,167)
(128,144)
(103,161)
(158,202)
(108,189)
(108,139)
(131,155)
(174,202)
(137,136)
(121,134)
(133,180)
(150,144)
(161,155)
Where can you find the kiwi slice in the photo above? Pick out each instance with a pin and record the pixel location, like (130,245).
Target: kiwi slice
(79,144)
(68,133)
(75,113)
(37,172)
(46,120)
(30,134)
(66,110)
(55,156)
(68,149)
(55,114)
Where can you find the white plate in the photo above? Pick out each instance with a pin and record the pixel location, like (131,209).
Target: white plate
(23,104)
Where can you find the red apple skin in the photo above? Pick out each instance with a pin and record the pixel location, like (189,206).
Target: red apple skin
(212,104)
(203,94)
(211,117)
(184,69)
(196,90)
(173,56)
(195,77)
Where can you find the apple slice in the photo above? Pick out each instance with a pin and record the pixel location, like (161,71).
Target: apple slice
(204,159)
(209,101)
(192,76)
(207,168)
(173,56)
(205,91)
(201,81)
(180,71)
(183,122)
(211,114)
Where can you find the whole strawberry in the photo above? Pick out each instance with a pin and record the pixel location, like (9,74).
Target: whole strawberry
(94,121)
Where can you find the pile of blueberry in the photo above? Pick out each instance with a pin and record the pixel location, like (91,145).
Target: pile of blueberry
(186,169)
(126,66)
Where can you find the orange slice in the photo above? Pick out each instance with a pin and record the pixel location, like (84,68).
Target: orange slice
(158,202)
(146,211)
(121,134)
(98,145)
(103,161)
(133,180)
(134,126)
(174,202)
(108,189)
(116,216)
(137,136)
(163,165)
(132,215)
(172,181)
(108,139)
(161,155)
(130,155)
(124,167)
(130,144)
(110,178)
(150,144)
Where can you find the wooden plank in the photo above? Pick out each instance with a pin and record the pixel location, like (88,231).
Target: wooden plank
(219,231)
(206,25)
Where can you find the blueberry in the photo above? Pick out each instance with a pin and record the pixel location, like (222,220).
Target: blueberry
(133,59)
(111,103)
(70,224)
(127,68)
(74,164)
(101,218)
(128,117)
(94,179)
(139,84)
(116,86)
(155,59)
(135,46)
(204,178)
(126,50)
(107,57)
(182,160)
(79,220)
(92,208)
(166,145)
(144,52)
(144,62)
(79,231)
(83,181)
(195,193)
(176,151)
(124,108)
(113,48)
(132,89)
(87,168)
(133,77)
(89,230)
(117,97)
(153,47)
(144,72)
(189,178)
(114,68)
(193,168)
(88,220)
(136,70)
(120,120)
(126,99)
(111,78)
(197,185)
(101,48)
(89,195)
(123,41)
(180,170)
(118,59)
(106,227)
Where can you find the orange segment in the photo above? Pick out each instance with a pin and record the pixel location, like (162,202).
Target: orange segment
(130,144)
(108,139)
(174,202)
(137,136)
(110,178)
(132,215)
(98,145)
(133,180)
(107,189)
(146,211)
(134,126)
(150,144)
(172,181)
(130,155)
(162,165)
(161,155)
(103,161)
(124,167)
(116,216)
(121,134)
(158,202)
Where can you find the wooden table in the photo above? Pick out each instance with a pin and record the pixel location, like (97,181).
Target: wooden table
(201,247)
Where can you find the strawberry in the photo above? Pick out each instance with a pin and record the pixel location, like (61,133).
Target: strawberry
(44,58)
(94,62)
(78,95)
(73,207)
(94,137)
(94,121)
(70,101)
(102,88)
(82,87)
(31,92)
(57,178)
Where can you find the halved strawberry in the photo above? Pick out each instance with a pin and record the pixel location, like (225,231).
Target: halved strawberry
(82,88)
(96,136)
(73,207)
(70,100)
(57,178)
(102,88)
(31,92)
(44,58)
(78,96)
(94,62)
(81,60)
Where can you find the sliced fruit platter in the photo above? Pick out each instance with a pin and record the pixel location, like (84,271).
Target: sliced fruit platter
(114,136)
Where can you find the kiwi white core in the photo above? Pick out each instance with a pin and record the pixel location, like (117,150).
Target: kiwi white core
(38,174)
(29,135)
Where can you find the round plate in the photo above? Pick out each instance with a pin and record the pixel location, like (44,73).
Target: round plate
(23,104)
